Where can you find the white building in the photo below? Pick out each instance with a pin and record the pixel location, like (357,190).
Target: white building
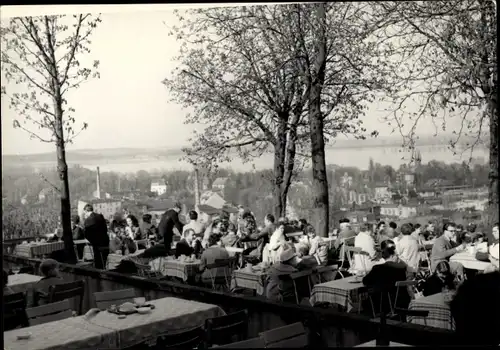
(159,187)
(220,183)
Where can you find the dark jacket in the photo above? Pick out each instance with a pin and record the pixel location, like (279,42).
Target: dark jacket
(262,237)
(184,248)
(169,220)
(147,229)
(96,230)
(209,256)
(277,288)
(78,233)
(384,277)
(434,285)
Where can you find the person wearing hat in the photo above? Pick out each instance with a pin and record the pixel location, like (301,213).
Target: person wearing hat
(49,269)
(288,263)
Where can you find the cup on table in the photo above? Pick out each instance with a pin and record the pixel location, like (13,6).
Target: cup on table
(472,250)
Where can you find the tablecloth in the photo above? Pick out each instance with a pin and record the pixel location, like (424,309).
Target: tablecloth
(255,280)
(169,266)
(439,311)
(469,261)
(22,282)
(342,292)
(37,249)
(170,315)
(59,335)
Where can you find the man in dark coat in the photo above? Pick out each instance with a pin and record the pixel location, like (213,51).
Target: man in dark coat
(96,232)
(169,220)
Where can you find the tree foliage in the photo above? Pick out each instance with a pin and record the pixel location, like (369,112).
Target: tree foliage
(447,64)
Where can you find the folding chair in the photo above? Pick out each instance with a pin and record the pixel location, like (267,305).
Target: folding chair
(228,265)
(49,312)
(63,291)
(222,329)
(291,336)
(104,300)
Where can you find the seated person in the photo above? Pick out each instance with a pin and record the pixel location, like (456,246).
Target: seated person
(261,236)
(230,239)
(6,289)
(444,247)
(475,300)
(50,272)
(383,277)
(442,279)
(364,240)
(276,288)
(209,256)
(277,243)
(483,250)
(188,245)
(317,249)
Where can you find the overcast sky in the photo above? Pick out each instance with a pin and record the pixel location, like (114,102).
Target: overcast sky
(128,106)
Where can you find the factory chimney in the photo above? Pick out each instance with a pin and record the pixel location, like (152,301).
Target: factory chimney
(98,184)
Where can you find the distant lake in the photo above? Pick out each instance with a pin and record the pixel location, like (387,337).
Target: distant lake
(355,157)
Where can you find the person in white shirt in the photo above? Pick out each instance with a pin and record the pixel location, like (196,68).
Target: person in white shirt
(316,246)
(364,240)
(407,248)
(193,224)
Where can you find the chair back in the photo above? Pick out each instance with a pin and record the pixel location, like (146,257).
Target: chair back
(14,311)
(69,290)
(327,273)
(190,339)
(255,343)
(291,336)
(221,330)
(410,287)
(27,269)
(104,300)
(302,283)
(49,312)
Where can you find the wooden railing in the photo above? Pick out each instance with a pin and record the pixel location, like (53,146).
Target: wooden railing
(10,244)
(328,327)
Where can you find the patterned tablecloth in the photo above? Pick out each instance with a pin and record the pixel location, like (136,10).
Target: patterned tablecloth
(22,282)
(255,280)
(169,266)
(343,292)
(439,311)
(33,249)
(59,335)
(170,315)
(469,261)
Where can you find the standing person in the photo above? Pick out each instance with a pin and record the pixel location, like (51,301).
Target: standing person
(169,220)
(77,235)
(96,232)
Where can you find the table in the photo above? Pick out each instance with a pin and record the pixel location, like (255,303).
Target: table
(255,280)
(342,292)
(59,335)
(170,315)
(22,282)
(115,259)
(439,311)
(169,266)
(35,249)
(373,343)
(469,261)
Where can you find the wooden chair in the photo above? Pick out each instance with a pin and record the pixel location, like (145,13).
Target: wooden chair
(410,287)
(221,330)
(228,265)
(49,313)
(104,300)
(255,343)
(190,339)
(14,311)
(343,253)
(291,336)
(69,290)
(404,314)
(322,270)
(297,279)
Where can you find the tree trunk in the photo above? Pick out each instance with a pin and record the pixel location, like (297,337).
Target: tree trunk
(196,190)
(279,202)
(62,170)
(320,180)
(493,174)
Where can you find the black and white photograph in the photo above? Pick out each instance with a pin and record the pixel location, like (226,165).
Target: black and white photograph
(250,175)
